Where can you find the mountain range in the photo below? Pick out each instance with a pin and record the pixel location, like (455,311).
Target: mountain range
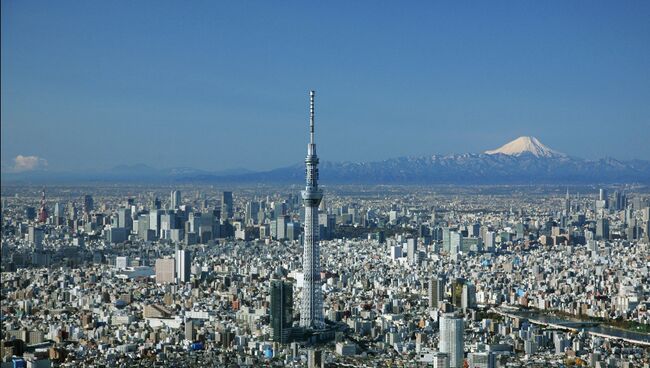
(525,160)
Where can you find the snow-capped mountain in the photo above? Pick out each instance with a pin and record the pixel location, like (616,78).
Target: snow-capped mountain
(526,145)
(523,161)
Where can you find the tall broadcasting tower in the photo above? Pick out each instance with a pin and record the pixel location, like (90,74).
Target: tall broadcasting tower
(311,311)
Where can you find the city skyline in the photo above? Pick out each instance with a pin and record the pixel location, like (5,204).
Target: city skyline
(480,196)
(420,80)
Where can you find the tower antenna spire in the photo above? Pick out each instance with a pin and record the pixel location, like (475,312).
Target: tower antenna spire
(312,94)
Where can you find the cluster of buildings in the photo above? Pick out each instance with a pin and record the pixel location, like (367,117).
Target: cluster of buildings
(479,277)
(441,279)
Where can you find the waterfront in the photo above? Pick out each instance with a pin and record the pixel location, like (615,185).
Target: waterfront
(594,328)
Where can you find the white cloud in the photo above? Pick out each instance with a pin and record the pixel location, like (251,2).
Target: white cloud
(28,163)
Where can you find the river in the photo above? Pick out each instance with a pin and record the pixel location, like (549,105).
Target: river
(598,330)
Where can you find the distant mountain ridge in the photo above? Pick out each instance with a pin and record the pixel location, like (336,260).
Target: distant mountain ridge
(468,168)
(523,161)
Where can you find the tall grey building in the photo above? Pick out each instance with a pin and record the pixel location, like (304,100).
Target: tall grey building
(451,339)
(88,203)
(35,236)
(311,311)
(412,250)
(124,218)
(175,200)
(602,229)
(252,209)
(436,291)
(226,206)
(154,221)
(567,203)
(281,310)
(183,265)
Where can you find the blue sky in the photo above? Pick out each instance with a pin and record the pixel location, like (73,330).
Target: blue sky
(217,85)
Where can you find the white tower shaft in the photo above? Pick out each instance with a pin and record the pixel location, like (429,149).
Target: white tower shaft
(311,310)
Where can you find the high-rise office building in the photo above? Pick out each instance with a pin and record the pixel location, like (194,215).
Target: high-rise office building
(468,297)
(89,204)
(457,292)
(567,203)
(602,229)
(451,339)
(167,223)
(455,243)
(490,240)
(72,211)
(175,200)
(42,212)
(124,218)
(293,230)
(412,250)
(227,210)
(183,265)
(156,204)
(311,311)
(602,194)
(436,291)
(35,236)
(252,210)
(59,214)
(143,225)
(154,221)
(281,310)
(281,227)
(602,202)
(328,224)
(620,201)
(435,295)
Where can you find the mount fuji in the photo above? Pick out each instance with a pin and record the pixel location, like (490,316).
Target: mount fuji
(526,145)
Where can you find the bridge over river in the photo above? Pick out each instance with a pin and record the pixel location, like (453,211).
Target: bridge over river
(592,328)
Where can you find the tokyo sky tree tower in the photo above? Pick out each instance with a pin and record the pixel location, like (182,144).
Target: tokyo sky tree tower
(311,311)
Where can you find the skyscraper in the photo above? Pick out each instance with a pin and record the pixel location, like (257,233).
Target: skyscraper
(42,212)
(88,203)
(124,218)
(567,203)
(602,229)
(451,339)
(183,265)
(175,200)
(436,291)
(412,250)
(226,206)
(252,209)
(311,311)
(281,310)
(35,236)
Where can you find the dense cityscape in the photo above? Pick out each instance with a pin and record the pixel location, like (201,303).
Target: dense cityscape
(453,277)
(324,184)
(494,276)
